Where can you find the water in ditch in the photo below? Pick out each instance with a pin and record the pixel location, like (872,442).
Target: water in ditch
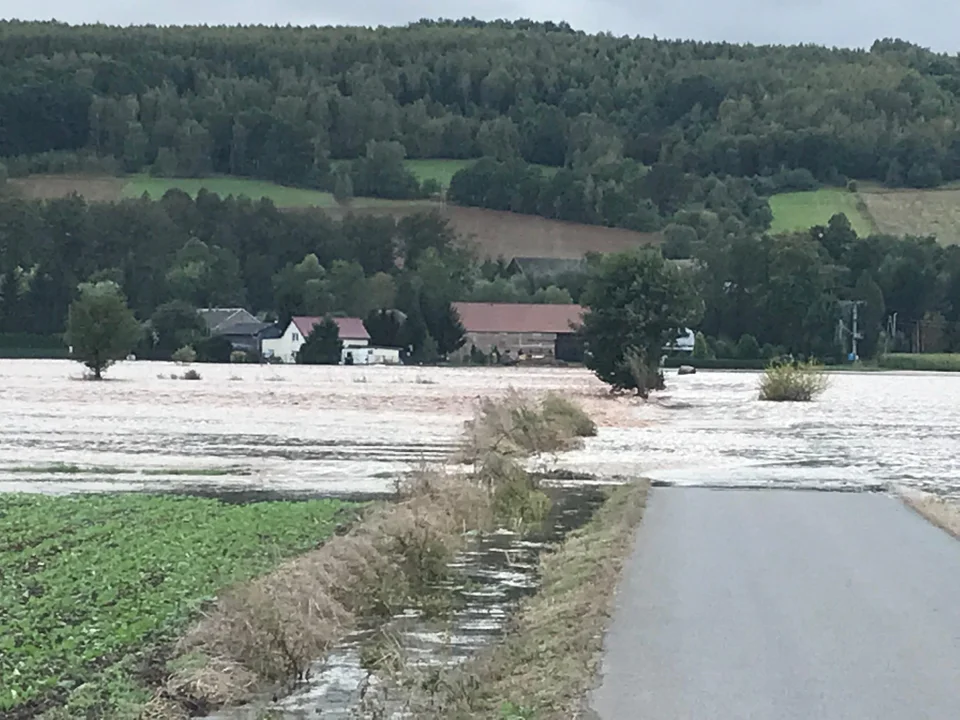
(492,575)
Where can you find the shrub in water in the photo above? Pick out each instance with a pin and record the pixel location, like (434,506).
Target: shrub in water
(792,382)
(564,413)
(191,375)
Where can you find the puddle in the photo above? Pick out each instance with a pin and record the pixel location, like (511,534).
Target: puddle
(493,574)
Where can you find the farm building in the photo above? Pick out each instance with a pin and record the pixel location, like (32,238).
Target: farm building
(514,329)
(285,348)
(243,329)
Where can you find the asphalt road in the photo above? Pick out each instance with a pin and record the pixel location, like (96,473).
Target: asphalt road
(775,605)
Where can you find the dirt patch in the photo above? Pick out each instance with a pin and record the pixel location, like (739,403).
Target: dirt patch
(495,233)
(916,212)
(548,662)
(945,514)
(48,187)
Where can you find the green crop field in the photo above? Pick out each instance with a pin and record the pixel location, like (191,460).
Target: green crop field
(802,210)
(942,362)
(89,583)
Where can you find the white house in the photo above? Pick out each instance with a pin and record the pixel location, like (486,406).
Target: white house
(285,348)
(683,343)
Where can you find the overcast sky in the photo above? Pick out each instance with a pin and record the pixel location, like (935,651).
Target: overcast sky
(851,23)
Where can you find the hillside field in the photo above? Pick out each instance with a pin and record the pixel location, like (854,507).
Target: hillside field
(917,212)
(802,210)
(493,233)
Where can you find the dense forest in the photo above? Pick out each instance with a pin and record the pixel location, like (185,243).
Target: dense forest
(294,104)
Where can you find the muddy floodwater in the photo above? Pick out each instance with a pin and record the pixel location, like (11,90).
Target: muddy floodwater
(352,430)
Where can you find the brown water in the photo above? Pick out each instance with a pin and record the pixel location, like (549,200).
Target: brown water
(351,430)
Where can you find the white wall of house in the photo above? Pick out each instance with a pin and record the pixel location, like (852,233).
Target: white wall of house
(286,347)
(371,356)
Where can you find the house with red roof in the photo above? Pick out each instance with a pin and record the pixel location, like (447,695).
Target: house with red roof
(353,335)
(520,329)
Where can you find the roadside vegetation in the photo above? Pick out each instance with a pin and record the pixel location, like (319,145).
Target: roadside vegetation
(93,587)
(942,512)
(786,381)
(549,658)
(942,362)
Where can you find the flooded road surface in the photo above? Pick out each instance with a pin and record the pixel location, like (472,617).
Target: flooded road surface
(322,430)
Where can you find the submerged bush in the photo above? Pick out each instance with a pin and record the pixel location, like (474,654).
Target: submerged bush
(792,382)
(515,426)
(567,414)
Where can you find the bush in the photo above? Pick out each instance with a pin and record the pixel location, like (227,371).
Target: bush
(238,356)
(185,355)
(191,375)
(792,382)
(563,413)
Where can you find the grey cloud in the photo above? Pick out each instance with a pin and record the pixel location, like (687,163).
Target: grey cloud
(850,23)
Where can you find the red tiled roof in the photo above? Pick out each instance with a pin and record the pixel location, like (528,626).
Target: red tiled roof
(350,328)
(519,317)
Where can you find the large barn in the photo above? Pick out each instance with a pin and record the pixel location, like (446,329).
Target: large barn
(515,329)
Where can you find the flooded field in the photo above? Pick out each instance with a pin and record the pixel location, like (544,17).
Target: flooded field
(338,430)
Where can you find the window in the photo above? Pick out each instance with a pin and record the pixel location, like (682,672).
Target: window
(296,337)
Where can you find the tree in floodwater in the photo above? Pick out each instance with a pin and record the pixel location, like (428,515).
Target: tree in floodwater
(101,329)
(636,303)
(323,346)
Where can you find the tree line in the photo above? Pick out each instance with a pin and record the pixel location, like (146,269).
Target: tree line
(283,103)
(179,253)
(761,294)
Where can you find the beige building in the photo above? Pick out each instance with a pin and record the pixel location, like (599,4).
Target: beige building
(514,329)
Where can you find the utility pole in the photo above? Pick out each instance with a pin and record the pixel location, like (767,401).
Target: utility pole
(856,334)
(853,331)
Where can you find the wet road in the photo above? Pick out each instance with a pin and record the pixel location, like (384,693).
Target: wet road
(782,605)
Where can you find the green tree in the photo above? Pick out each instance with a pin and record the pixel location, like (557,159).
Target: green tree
(636,303)
(701,350)
(101,329)
(176,324)
(871,313)
(443,326)
(322,346)
(343,186)
(385,328)
(748,348)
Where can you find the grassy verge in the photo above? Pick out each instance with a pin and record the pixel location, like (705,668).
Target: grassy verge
(548,662)
(946,362)
(942,513)
(802,210)
(88,584)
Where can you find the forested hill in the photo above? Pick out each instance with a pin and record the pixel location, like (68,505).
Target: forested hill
(280,103)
